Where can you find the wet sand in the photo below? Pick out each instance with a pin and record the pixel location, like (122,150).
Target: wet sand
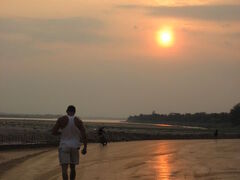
(165,160)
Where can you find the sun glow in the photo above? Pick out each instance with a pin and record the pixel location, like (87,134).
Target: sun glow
(165,37)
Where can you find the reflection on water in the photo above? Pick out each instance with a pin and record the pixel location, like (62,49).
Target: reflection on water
(161,162)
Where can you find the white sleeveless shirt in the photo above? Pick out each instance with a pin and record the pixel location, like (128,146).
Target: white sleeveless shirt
(70,135)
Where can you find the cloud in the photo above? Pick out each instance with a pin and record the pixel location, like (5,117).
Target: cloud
(17,47)
(235,35)
(201,12)
(78,29)
(129,6)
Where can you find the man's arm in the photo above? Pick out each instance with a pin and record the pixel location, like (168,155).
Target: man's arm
(81,127)
(56,127)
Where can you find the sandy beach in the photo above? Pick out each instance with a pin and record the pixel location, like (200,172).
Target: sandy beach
(165,160)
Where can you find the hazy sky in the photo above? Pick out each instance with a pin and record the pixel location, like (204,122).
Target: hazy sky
(103,56)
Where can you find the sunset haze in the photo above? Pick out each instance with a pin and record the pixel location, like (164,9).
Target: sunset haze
(104,56)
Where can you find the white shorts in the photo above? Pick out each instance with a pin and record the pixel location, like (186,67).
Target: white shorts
(68,155)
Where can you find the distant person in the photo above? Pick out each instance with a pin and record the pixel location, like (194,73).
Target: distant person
(71,128)
(102,137)
(216,133)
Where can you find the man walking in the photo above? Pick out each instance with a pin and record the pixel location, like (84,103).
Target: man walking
(71,128)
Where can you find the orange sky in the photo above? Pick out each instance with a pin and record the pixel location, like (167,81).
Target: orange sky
(103,56)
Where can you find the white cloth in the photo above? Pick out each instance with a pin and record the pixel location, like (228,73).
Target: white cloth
(68,156)
(70,135)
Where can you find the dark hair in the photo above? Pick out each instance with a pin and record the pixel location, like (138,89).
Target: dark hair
(71,109)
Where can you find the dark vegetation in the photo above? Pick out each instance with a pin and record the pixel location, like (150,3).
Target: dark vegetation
(235,114)
(201,119)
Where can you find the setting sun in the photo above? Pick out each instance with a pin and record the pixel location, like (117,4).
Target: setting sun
(165,37)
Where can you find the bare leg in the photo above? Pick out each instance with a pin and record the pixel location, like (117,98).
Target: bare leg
(64,171)
(73,172)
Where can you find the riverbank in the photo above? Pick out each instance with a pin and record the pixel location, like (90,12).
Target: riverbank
(37,132)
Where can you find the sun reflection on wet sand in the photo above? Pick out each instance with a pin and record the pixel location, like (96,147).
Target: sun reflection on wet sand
(161,163)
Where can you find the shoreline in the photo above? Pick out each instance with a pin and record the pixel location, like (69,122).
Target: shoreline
(4,147)
(33,133)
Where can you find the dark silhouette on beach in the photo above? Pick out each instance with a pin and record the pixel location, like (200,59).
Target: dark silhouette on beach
(102,136)
(216,133)
(71,128)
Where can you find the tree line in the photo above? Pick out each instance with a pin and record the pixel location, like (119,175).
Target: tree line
(199,119)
